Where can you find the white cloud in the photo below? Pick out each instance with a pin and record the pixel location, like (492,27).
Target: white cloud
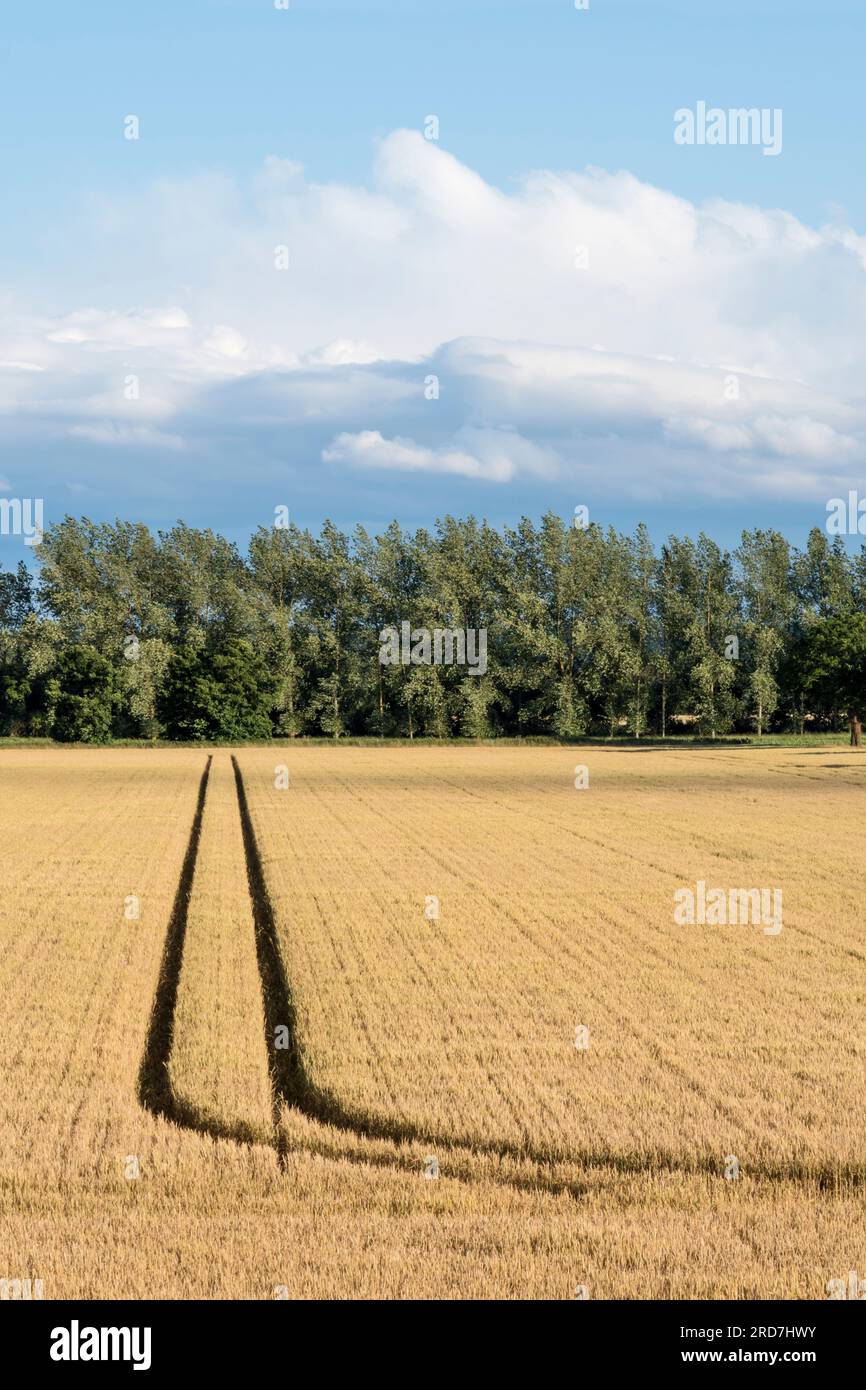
(341,353)
(224,341)
(493,455)
(805,438)
(432,269)
(369,449)
(137,328)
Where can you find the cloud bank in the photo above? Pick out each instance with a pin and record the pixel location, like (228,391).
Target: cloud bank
(578,328)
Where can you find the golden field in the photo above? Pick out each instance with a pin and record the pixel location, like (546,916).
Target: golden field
(252,999)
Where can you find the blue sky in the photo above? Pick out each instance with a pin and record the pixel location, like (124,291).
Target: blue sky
(606,383)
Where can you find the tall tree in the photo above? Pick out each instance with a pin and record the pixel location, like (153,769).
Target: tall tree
(279,560)
(768,606)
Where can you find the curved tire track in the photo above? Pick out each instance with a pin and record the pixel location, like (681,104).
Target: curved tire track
(292,1086)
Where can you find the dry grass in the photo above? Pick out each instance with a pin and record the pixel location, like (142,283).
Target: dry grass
(219,1061)
(452,1038)
(556,910)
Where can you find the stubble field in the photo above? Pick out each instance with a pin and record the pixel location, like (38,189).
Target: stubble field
(420,1022)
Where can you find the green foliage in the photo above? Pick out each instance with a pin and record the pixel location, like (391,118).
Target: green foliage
(834,663)
(14,691)
(590,633)
(82,696)
(222,694)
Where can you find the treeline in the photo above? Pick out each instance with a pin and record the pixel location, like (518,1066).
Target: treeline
(125,634)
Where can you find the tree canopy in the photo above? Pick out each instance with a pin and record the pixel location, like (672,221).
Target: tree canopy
(124,633)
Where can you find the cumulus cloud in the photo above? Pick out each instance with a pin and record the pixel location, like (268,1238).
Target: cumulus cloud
(578,324)
(368,449)
(495,455)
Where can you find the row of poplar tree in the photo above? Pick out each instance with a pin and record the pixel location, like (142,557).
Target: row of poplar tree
(119,632)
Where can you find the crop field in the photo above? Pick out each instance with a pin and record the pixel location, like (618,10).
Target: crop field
(428,1021)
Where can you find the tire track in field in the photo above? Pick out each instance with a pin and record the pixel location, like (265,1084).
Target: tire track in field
(293,1088)
(155,1091)
(327,1109)
(154,1083)
(290,1083)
